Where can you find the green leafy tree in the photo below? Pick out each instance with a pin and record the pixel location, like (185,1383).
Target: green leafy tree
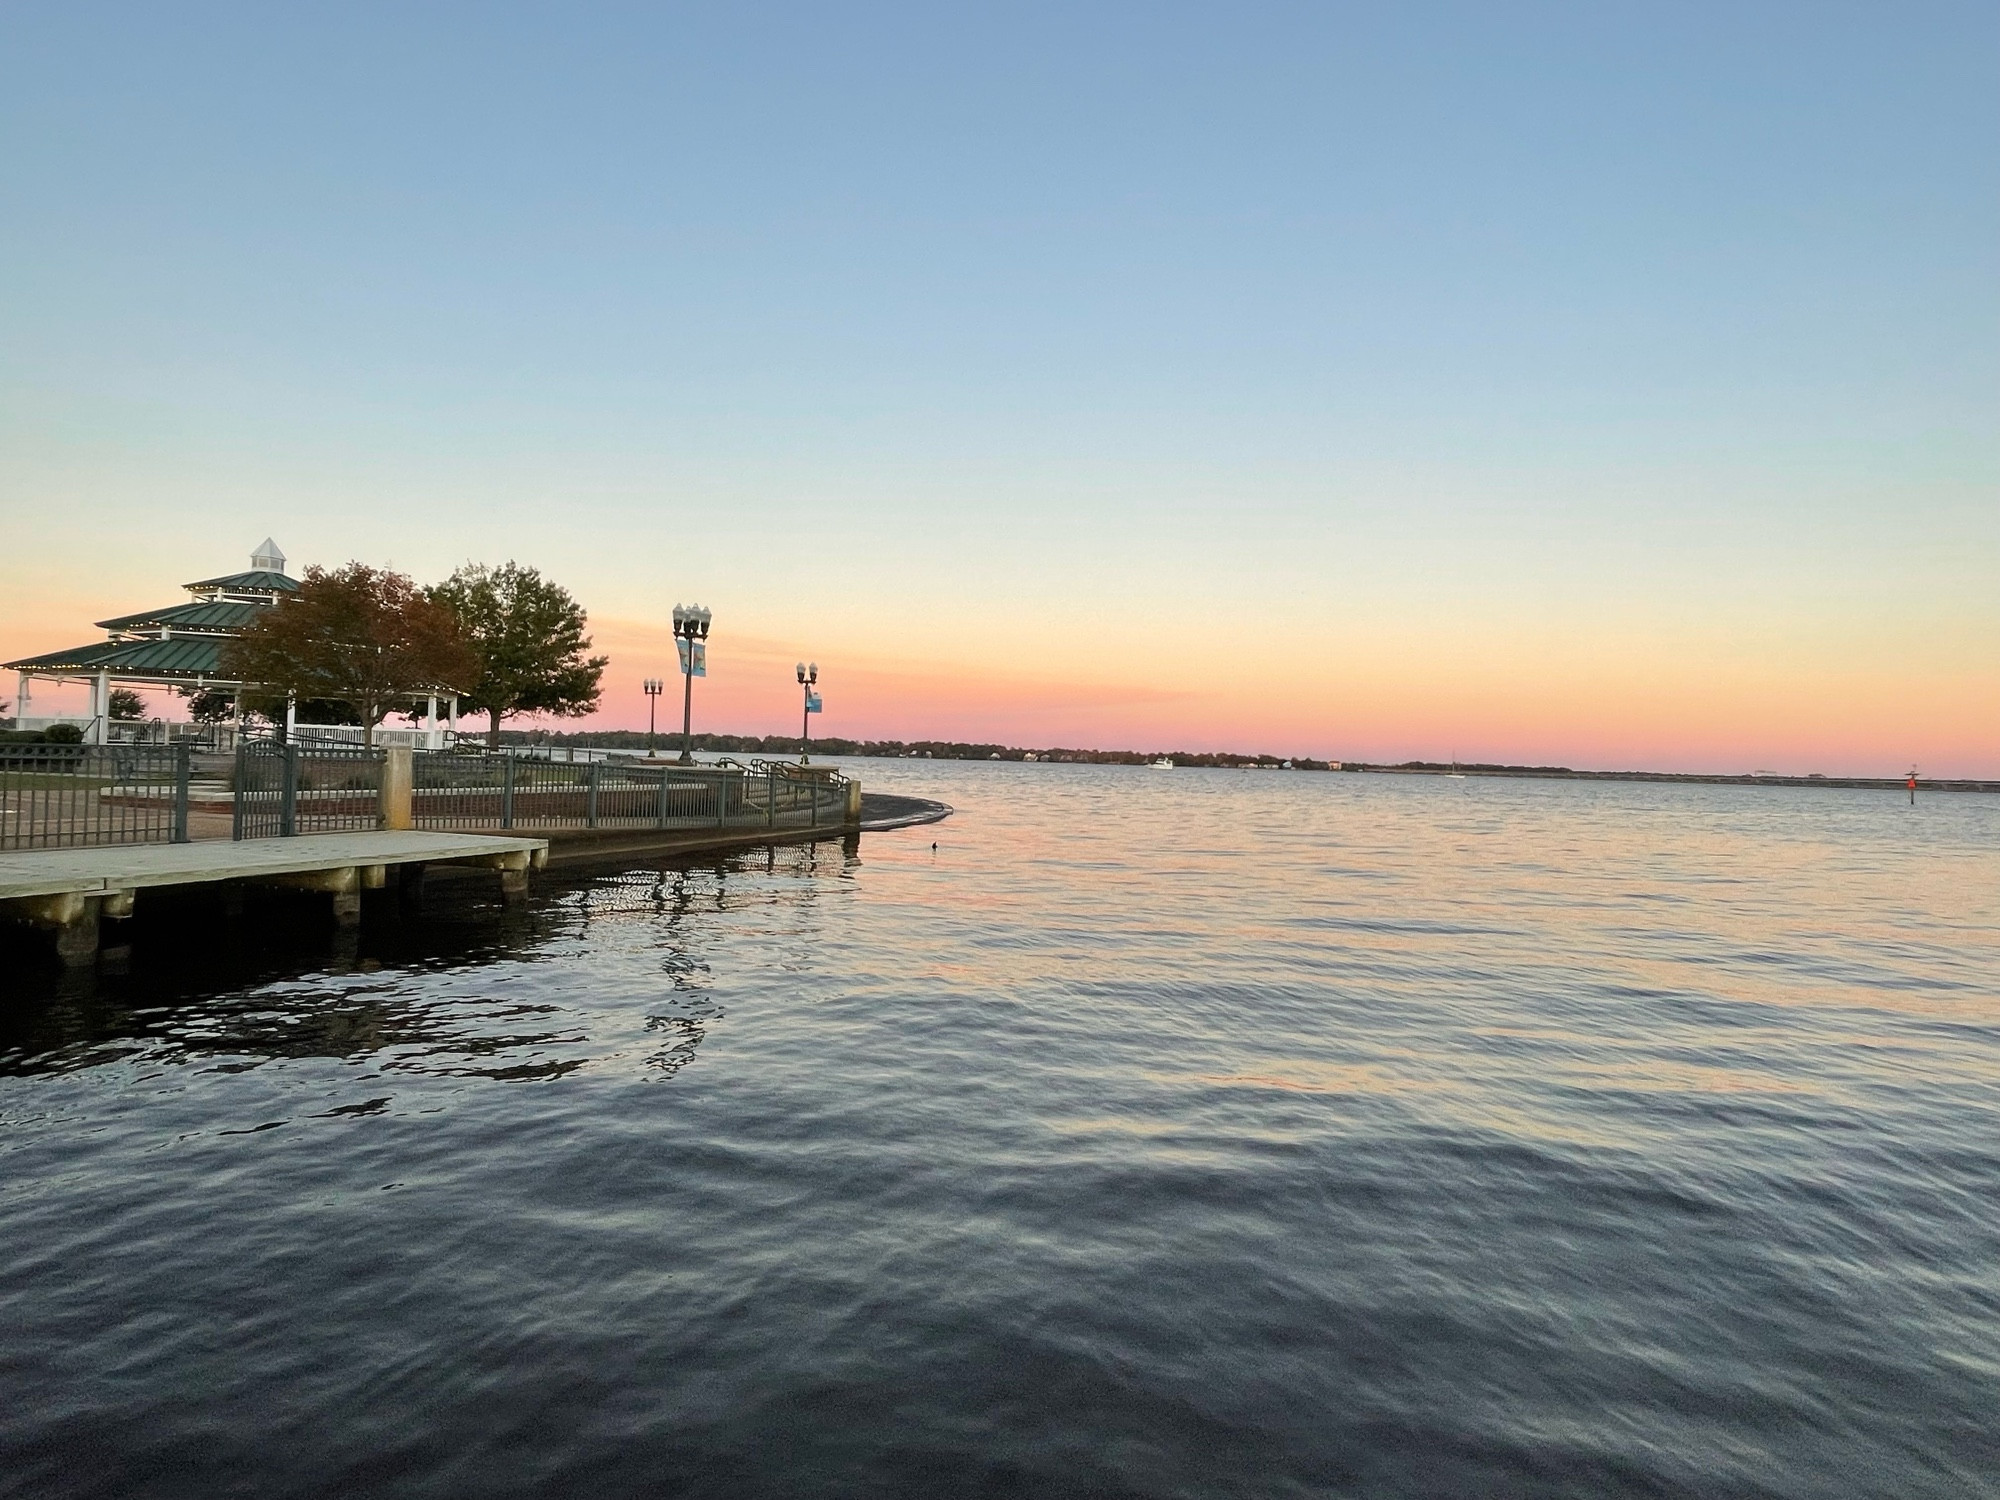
(207,705)
(319,711)
(362,636)
(529,637)
(127,705)
(210,705)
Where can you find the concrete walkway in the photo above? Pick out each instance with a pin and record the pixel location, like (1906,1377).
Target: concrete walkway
(46,872)
(69,891)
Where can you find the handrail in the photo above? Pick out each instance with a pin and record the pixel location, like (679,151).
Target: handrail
(457,789)
(797,772)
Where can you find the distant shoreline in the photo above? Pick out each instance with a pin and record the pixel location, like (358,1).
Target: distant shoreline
(730,744)
(1697,778)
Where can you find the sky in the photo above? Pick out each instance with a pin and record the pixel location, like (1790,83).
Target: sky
(1582,384)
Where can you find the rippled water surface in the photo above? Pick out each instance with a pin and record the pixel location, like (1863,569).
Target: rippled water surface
(1192,1133)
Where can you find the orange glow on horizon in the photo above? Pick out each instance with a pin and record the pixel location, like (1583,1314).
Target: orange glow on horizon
(1598,705)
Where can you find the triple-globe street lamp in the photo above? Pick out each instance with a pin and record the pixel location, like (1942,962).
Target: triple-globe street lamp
(691,632)
(654,687)
(808,679)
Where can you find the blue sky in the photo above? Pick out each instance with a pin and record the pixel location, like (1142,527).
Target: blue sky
(1556,347)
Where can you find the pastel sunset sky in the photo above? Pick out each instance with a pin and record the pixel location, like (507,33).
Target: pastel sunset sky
(1609,385)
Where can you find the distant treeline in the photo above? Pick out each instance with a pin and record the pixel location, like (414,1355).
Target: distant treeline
(784,744)
(1693,778)
(1478,768)
(781,744)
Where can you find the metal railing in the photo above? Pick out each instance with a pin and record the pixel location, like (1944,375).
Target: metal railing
(354,736)
(123,731)
(287,789)
(457,789)
(66,796)
(62,796)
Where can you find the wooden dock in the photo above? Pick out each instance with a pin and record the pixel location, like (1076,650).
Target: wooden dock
(70,892)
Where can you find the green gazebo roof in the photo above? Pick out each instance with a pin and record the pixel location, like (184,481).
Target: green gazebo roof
(258,582)
(220,616)
(178,643)
(176,659)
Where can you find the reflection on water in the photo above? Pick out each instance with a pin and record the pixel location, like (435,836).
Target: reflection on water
(404,992)
(1198,1134)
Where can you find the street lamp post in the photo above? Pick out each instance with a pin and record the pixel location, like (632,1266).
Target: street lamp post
(653,689)
(808,679)
(691,632)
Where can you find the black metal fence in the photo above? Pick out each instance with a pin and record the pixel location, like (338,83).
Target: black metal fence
(282,790)
(61,796)
(454,789)
(65,796)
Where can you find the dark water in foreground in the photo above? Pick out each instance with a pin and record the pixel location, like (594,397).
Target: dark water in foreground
(1201,1133)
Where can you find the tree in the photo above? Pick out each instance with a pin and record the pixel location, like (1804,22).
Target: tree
(211,705)
(528,633)
(363,636)
(317,711)
(207,705)
(127,705)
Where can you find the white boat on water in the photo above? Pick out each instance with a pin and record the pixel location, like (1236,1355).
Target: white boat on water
(1162,764)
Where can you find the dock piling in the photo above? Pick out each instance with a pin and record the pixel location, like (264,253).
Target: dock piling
(398,787)
(71,918)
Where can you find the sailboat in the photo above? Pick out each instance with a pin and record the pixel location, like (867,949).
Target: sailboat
(1454,774)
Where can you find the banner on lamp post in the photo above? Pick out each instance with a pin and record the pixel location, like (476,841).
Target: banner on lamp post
(812,703)
(694,656)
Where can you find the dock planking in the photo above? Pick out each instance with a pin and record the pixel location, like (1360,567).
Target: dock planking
(67,891)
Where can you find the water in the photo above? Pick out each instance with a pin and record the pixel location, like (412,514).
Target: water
(1203,1133)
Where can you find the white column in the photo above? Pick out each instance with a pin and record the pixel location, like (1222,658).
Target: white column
(432,740)
(21,696)
(100,707)
(291,717)
(453,710)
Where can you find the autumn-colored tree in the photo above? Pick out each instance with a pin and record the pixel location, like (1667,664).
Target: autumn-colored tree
(362,636)
(528,633)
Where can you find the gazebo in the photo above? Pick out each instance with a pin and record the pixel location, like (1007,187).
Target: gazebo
(180,646)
